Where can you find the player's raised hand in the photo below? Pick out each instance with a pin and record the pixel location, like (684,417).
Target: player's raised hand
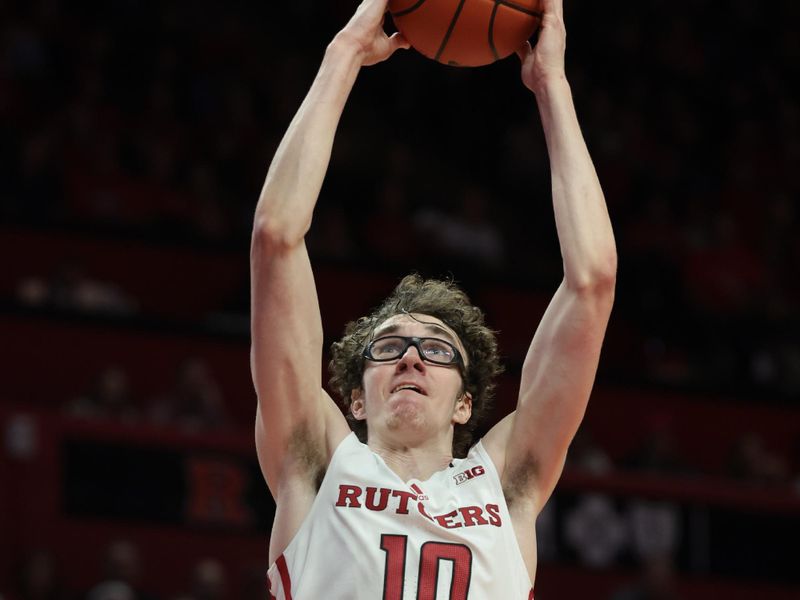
(365,30)
(546,60)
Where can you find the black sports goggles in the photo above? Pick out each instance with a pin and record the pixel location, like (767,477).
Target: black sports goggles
(431,350)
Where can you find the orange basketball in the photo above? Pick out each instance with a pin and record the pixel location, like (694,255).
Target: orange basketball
(466,33)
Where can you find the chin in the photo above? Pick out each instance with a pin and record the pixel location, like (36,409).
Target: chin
(406,416)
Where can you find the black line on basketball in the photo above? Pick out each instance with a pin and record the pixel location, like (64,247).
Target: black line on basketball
(410,9)
(522,9)
(450,30)
(491,32)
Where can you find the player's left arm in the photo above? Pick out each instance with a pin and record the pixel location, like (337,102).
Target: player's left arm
(530,446)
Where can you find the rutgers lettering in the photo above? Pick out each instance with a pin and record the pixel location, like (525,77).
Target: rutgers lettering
(381,499)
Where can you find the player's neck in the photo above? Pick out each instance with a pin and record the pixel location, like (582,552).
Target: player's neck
(413,461)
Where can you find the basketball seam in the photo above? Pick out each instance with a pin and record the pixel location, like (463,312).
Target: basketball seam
(492,47)
(450,30)
(402,13)
(508,3)
(517,7)
(497,3)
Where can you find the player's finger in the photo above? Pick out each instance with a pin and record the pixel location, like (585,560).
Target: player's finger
(398,41)
(524,50)
(554,7)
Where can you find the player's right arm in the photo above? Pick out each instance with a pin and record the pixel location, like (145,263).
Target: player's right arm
(297,425)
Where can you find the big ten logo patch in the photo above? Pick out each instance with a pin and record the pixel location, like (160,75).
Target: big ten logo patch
(469,474)
(216,492)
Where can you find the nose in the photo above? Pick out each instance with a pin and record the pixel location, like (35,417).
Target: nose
(411,360)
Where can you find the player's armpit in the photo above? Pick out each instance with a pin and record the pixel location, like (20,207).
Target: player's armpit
(557,379)
(286,358)
(496,440)
(307,449)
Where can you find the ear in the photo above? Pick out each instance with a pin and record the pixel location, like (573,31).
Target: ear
(357,404)
(463,409)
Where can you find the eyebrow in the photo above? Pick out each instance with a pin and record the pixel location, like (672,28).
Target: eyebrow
(430,327)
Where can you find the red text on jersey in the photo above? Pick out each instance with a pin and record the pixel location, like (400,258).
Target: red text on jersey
(380,499)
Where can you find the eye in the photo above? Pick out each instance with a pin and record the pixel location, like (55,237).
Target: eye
(437,348)
(386,347)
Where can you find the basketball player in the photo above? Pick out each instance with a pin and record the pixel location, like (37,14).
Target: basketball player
(402,513)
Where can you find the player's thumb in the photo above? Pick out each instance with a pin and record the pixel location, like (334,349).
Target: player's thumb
(399,42)
(524,50)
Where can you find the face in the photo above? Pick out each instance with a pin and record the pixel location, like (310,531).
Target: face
(408,396)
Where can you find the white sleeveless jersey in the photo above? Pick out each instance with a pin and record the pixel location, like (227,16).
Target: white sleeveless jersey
(372,536)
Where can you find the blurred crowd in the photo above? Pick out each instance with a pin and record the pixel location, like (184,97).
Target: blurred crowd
(121,576)
(193,402)
(159,119)
(169,140)
(750,459)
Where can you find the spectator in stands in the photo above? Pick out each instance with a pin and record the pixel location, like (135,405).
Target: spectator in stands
(723,275)
(784,355)
(195,403)
(207,216)
(35,187)
(796,483)
(39,579)
(334,240)
(209,581)
(111,590)
(467,234)
(658,451)
(657,582)
(70,288)
(389,229)
(252,583)
(751,462)
(122,571)
(586,456)
(110,398)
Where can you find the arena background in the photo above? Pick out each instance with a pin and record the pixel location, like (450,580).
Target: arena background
(134,139)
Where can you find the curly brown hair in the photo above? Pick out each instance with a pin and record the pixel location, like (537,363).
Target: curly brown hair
(447,302)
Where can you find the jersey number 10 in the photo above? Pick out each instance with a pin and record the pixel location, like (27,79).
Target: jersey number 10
(430,555)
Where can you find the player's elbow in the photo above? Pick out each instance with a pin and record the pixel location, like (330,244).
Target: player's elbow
(598,281)
(604,276)
(273,236)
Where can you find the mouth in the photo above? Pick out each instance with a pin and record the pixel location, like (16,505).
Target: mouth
(409,386)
